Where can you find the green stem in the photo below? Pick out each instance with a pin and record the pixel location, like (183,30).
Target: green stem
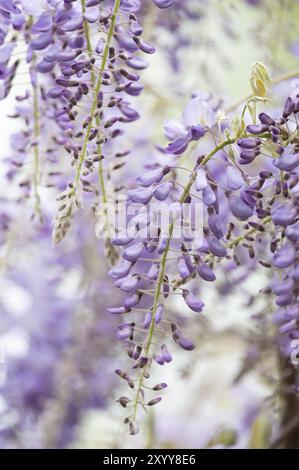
(98,85)
(93,81)
(36,175)
(163,266)
(36,133)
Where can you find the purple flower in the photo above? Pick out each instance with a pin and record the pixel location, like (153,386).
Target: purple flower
(193,302)
(284,256)
(239,208)
(287,161)
(154,176)
(205,272)
(198,116)
(163,3)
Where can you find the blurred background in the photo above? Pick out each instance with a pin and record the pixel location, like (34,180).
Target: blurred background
(57,347)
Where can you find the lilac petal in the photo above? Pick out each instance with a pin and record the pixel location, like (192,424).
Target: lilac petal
(140,221)
(246,161)
(120,270)
(52,53)
(162,245)
(41,42)
(147,320)
(66,56)
(197,132)
(280,288)
(43,24)
(133,252)
(165,353)
(183,268)
(284,299)
(289,107)
(144,46)
(134,88)
(129,284)
(174,130)
(125,42)
(153,272)
(292,233)
(116,310)
(130,113)
(67,83)
(266,119)
(163,3)
(132,300)
(121,240)
(166,289)
(234,179)
(287,162)
(153,176)
(135,28)
(137,351)
(154,401)
(188,262)
(5,52)
(249,142)
(239,208)
(160,386)
(284,215)
(162,191)
(248,197)
(208,196)
(284,257)
(178,146)
(193,302)
(130,5)
(197,112)
(201,181)
(142,196)
(288,327)
(124,333)
(215,247)
(100,46)
(256,129)
(137,63)
(54,92)
(4,72)
(215,225)
(295,274)
(205,272)
(44,66)
(159,359)
(249,154)
(159,314)
(9,7)
(73,25)
(185,343)
(92,15)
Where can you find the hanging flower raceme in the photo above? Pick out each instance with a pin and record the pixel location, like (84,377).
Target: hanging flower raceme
(84,59)
(12,21)
(238,211)
(92,87)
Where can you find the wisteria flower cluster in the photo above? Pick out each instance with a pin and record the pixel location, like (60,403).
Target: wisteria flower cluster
(217,195)
(243,212)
